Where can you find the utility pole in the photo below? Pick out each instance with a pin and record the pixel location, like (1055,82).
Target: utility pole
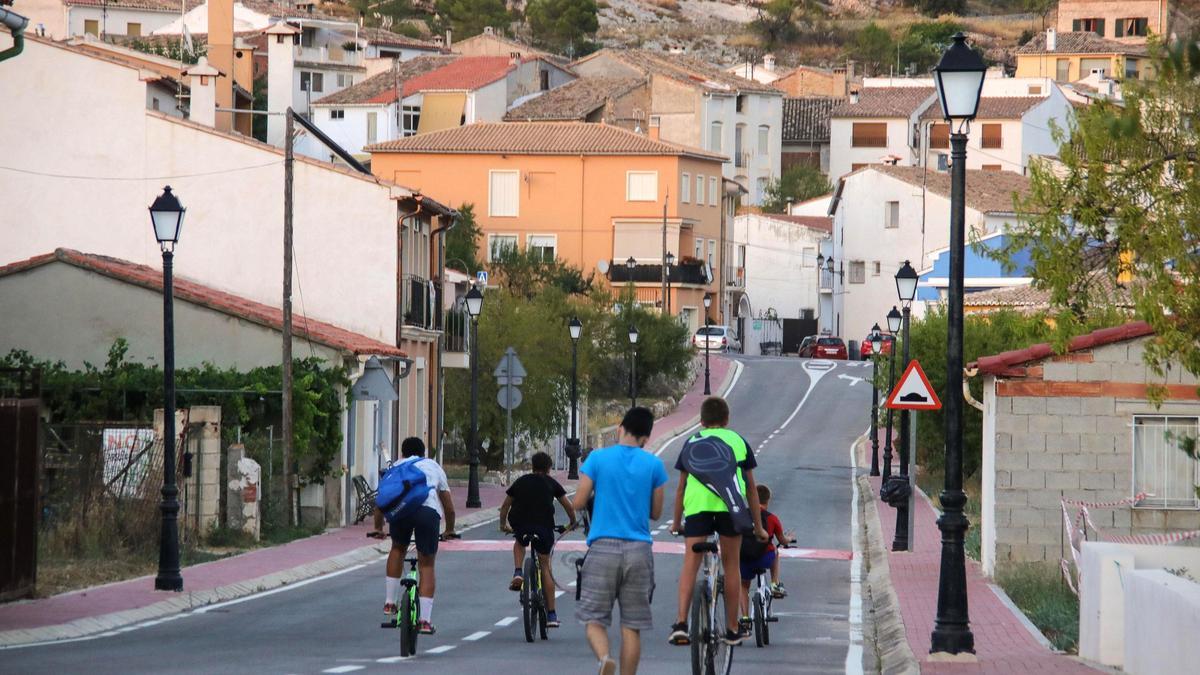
(288,161)
(664,256)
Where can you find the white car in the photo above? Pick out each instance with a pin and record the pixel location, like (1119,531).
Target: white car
(719,338)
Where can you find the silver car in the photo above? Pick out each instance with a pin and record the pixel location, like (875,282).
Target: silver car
(719,339)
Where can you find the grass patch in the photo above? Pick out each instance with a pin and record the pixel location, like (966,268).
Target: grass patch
(282,535)
(931,483)
(1044,597)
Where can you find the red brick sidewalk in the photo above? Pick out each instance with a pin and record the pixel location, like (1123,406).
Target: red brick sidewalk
(1002,643)
(688,409)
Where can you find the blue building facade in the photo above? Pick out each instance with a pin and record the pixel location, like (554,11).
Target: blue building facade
(981,272)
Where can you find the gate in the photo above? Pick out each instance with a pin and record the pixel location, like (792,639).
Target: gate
(19,405)
(795,330)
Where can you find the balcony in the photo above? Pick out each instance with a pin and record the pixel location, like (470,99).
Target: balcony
(741,159)
(826,281)
(735,277)
(417,301)
(456,335)
(331,54)
(694,273)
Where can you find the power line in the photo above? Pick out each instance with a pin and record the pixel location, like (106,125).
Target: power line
(45,174)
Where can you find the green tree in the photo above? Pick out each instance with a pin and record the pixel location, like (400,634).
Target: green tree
(797,184)
(775,24)
(874,48)
(563,26)
(924,42)
(469,17)
(940,7)
(462,242)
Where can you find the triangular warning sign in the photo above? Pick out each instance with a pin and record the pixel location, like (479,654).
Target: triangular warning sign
(913,391)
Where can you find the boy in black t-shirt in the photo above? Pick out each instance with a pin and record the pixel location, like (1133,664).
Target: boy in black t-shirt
(529,510)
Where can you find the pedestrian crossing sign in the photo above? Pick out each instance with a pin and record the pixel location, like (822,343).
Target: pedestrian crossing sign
(913,391)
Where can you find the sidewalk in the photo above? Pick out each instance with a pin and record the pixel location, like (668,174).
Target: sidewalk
(1003,643)
(104,608)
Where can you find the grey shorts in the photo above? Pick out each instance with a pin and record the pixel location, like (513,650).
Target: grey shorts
(620,570)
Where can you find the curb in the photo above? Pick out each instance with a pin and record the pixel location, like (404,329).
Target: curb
(885,633)
(189,601)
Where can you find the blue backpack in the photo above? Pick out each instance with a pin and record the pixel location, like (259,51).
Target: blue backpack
(402,490)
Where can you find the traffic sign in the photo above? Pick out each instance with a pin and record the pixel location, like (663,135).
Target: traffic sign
(481,277)
(913,391)
(502,374)
(508,400)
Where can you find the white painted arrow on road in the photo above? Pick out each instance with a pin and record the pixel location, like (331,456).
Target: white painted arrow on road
(853,380)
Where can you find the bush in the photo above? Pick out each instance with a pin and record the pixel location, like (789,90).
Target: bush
(795,185)
(1044,597)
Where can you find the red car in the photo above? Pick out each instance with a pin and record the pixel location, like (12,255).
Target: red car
(829,348)
(865,350)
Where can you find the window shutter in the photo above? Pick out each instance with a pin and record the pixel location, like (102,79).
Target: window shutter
(992,137)
(869,135)
(1100,27)
(504,197)
(1119,29)
(1075,25)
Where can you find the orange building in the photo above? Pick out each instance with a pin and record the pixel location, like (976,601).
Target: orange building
(591,195)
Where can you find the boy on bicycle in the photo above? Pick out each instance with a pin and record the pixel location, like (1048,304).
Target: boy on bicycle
(699,513)
(761,555)
(528,511)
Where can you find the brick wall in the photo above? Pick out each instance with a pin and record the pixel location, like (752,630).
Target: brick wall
(1064,430)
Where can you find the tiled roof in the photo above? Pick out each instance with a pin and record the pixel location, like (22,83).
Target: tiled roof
(685,69)
(1079,42)
(205,296)
(574,100)
(994,108)
(289,11)
(987,191)
(885,102)
(381,87)
(1006,363)
(1027,297)
(386,38)
(466,73)
(539,138)
(823,223)
(806,120)
(154,5)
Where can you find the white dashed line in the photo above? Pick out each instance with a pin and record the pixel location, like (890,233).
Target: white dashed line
(510,620)
(343,669)
(559,594)
(393,659)
(572,585)
(440,650)
(478,635)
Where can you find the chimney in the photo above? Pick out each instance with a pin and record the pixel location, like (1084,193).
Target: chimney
(850,78)
(1051,39)
(202,80)
(853,96)
(220,54)
(448,41)
(488,30)
(281,67)
(769,63)
(514,58)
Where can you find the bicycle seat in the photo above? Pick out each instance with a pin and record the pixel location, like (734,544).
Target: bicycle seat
(705,547)
(411,561)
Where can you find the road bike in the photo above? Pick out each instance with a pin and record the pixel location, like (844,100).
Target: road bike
(710,654)
(533,597)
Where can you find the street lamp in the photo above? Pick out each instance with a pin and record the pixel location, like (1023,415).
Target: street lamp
(633,338)
(166,214)
(959,77)
(630,263)
(575,328)
(474,302)
(875,341)
(887,436)
(707,336)
(906,289)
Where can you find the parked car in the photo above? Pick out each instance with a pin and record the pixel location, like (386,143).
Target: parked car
(889,341)
(825,347)
(806,346)
(719,338)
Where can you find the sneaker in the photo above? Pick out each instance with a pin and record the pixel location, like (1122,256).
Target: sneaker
(516,583)
(389,608)
(745,625)
(425,628)
(608,666)
(733,638)
(552,620)
(778,591)
(679,635)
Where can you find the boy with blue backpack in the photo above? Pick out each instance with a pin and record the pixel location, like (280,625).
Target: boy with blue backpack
(414,497)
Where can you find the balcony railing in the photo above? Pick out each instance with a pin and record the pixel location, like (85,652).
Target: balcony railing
(679,273)
(457,328)
(826,281)
(417,301)
(329,54)
(735,277)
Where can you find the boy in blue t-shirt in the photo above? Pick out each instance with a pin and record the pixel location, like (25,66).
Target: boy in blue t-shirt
(627,483)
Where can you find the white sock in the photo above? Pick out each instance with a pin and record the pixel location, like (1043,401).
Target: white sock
(427,609)
(393,590)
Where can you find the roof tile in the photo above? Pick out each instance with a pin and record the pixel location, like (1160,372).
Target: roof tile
(994,108)
(1006,363)
(806,120)
(987,191)
(685,69)
(573,101)
(466,73)
(381,87)
(1079,42)
(885,102)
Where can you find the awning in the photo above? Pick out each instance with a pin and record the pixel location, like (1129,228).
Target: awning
(441,111)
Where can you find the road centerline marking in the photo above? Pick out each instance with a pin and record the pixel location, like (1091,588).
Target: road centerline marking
(440,650)
(477,635)
(506,621)
(343,669)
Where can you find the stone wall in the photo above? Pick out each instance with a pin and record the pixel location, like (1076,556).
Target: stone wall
(1064,431)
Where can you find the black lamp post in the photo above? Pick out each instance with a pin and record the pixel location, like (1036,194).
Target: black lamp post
(906,289)
(573,450)
(876,345)
(670,258)
(707,336)
(633,338)
(166,213)
(887,434)
(959,76)
(474,302)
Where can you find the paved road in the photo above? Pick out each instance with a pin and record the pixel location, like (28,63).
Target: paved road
(800,416)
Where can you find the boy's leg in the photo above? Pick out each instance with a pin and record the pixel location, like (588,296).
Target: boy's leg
(631,650)
(731,558)
(775,569)
(745,597)
(547,581)
(597,637)
(518,554)
(687,577)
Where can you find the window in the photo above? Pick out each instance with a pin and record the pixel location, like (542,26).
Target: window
(344,80)
(712,190)
(741,103)
(1034,90)
(738,133)
(314,82)
(699,190)
(133,29)
(699,249)
(875,268)
(712,252)
(891,214)
(641,186)
(542,247)
(372,127)
(504,194)
(943,162)
(685,188)
(1062,70)
(992,136)
(760,189)
(308,36)
(498,244)
(1089,25)
(991,167)
(764,140)
(715,134)
(1160,468)
(939,136)
(544,80)
(1131,28)
(337,114)
(1086,66)
(410,117)
(154,103)
(1131,69)
(91,27)
(858,272)
(809,257)
(869,135)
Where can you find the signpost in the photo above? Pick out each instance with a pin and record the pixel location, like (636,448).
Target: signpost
(510,374)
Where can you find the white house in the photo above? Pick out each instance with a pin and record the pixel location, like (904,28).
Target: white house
(765,72)
(61,19)
(884,215)
(700,106)
(876,125)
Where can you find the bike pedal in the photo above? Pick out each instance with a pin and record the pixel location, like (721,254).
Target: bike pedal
(773,619)
(387,624)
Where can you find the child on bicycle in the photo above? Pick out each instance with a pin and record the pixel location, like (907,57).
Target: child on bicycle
(528,511)
(761,555)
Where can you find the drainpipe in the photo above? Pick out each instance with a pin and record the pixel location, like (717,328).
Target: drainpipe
(15,23)
(436,433)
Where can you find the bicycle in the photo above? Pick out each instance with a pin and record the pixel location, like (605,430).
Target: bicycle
(533,598)
(408,613)
(710,654)
(760,605)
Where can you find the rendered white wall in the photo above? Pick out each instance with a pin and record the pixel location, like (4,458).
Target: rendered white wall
(1162,619)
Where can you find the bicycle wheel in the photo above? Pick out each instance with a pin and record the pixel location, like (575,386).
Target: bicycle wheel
(407,618)
(767,619)
(722,654)
(699,629)
(528,610)
(760,622)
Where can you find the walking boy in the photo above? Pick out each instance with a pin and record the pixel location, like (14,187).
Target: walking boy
(627,483)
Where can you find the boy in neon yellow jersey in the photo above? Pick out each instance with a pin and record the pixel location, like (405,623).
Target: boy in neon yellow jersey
(699,513)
